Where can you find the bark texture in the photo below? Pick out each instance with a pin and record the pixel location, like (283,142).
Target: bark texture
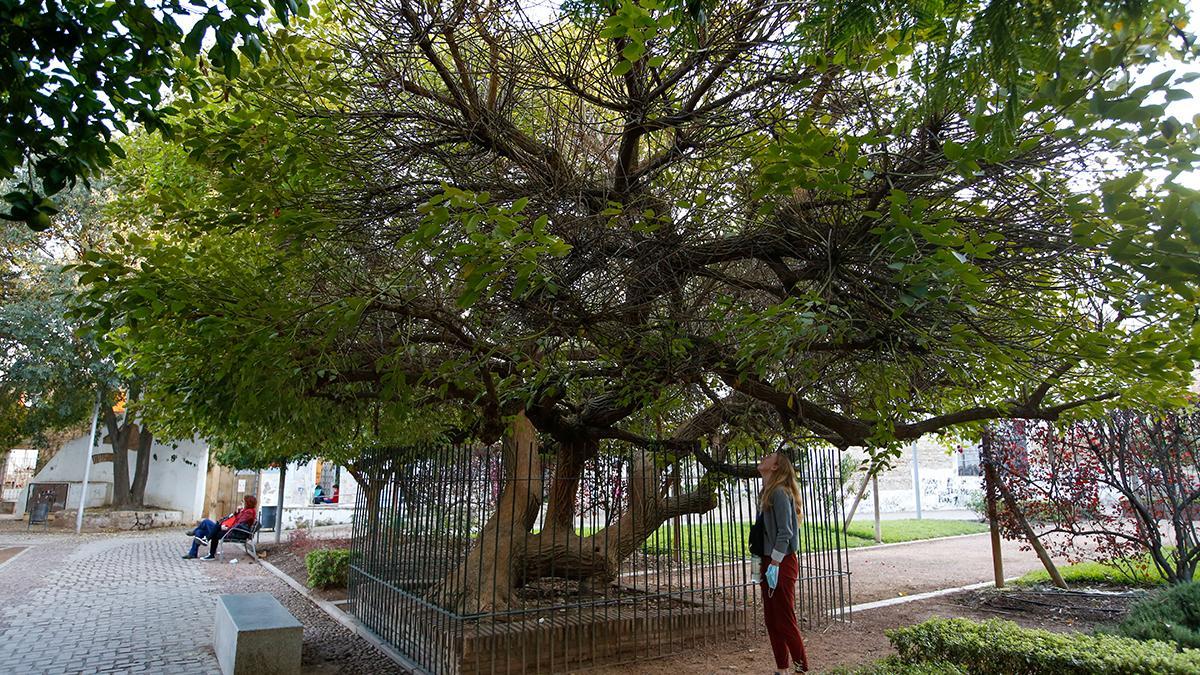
(123,436)
(510,554)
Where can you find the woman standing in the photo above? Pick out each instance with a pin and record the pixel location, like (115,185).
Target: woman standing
(779,508)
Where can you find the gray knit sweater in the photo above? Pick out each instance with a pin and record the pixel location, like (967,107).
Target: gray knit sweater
(780,532)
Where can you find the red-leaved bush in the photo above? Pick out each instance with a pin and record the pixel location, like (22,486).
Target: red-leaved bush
(1123,488)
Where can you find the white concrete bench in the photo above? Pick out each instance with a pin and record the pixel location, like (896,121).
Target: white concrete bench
(256,635)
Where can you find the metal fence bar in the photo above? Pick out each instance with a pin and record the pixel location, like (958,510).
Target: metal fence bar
(456,562)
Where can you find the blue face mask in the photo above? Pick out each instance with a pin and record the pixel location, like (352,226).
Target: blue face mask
(772,576)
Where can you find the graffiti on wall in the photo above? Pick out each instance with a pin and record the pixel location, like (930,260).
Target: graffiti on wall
(946,492)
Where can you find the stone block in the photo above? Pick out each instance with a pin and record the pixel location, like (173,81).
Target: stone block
(255,634)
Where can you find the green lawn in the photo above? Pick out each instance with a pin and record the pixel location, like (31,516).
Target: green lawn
(724,541)
(1088,572)
(914,530)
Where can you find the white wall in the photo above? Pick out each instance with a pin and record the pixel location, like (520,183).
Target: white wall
(178,470)
(17,469)
(942,488)
(298,485)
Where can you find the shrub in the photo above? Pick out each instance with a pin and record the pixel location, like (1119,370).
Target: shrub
(1004,648)
(1173,616)
(977,502)
(1103,487)
(894,666)
(328,567)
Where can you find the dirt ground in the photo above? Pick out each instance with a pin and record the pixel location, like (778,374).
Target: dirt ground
(864,640)
(878,573)
(884,572)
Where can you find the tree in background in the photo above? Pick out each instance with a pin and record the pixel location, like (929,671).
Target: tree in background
(49,373)
(1123,488)
(53,369)
(76,75)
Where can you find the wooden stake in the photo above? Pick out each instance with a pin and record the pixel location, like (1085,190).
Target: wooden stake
(1034,541)
(989,479)
(862,490)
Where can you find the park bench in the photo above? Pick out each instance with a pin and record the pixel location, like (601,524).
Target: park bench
(242,535)
(256,635)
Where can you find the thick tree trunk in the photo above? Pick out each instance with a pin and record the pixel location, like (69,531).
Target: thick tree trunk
(564,487)
(118,438)
(141,471)
(508,555)
(485,580)
(595,560)
(121,435)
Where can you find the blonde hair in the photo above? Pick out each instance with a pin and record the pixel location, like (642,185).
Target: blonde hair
(784,477)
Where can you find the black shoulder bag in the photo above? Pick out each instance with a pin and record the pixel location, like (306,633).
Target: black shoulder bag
(757,530)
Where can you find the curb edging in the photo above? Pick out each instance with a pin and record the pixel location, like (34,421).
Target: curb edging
(350,622)
(916,597)
(16,555)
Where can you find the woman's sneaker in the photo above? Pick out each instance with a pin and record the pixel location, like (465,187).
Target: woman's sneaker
(209,557)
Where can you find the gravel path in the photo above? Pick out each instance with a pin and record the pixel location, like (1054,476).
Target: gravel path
(329,647)
(881,572)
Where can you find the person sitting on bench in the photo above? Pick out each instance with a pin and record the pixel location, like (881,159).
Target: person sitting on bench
(213,531)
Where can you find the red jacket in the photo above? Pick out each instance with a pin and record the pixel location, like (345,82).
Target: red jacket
(244,517)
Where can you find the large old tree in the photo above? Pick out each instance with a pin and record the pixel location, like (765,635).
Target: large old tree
(668,225)
(52,372)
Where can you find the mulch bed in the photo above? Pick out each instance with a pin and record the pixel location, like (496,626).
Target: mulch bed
(289,559)
(1080,608)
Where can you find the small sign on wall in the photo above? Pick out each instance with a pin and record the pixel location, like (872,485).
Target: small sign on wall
(241,485)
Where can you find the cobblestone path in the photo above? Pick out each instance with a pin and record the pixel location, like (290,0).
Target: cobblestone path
(127,603)
(104,604)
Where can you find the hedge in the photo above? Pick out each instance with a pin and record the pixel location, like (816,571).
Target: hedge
(894,666)
(1004,648)
(328,567)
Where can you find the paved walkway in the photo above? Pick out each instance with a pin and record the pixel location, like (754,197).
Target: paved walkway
(100,603)
(127,603)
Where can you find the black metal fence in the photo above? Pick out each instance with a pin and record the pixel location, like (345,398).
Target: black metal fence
(485,560)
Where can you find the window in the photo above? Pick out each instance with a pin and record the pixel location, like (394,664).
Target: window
(968,460)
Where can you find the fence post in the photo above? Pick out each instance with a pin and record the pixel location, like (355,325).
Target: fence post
(875,498)
(87,466)
(916,461)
